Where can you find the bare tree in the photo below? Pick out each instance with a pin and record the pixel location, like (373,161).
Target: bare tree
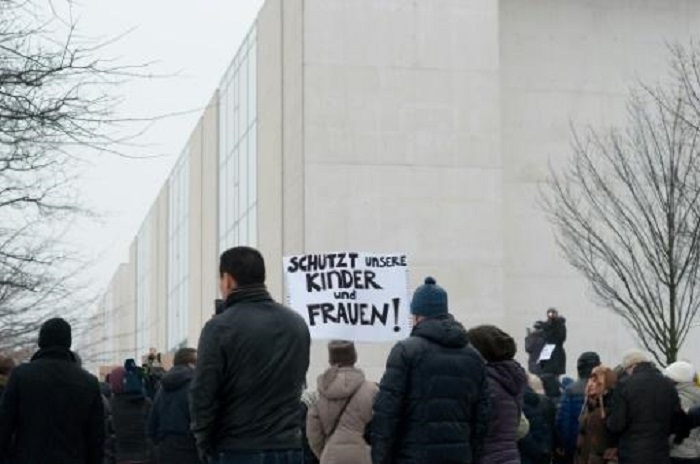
(626,212)
(53,107)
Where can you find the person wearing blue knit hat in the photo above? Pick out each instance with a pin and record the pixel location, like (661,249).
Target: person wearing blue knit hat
(433,400)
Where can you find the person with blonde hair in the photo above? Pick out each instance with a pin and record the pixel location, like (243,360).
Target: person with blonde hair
(594,444)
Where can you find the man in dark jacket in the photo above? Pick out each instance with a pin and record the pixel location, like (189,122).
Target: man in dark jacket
(433,401)
(52,409)
(555,334)
(572,405)
(645,406)
(251,367)
(169,424)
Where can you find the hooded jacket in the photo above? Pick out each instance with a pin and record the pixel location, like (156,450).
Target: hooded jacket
(689,394)
(340,388)
(432,404)
(54,410)
(507,382)
(169,423)
(642,415)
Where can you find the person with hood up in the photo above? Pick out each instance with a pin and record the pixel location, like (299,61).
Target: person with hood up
(433,401)
(51,411)
(507,381)
(169,423)
(6,366)
(336,422)
(130,409)
(536,447)
(683,374)
(571,406)
(594,444)
(644,412)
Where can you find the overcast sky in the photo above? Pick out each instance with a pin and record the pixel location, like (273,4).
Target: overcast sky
(196,41)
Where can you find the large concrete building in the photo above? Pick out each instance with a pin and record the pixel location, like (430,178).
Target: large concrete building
(396,125)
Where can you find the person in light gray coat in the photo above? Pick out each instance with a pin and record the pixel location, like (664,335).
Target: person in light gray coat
(683,375)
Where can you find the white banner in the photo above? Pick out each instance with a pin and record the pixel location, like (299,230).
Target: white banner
(350,295)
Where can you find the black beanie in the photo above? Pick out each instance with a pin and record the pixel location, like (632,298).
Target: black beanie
(494,344)
(55,333)
(342,353)
(586,363)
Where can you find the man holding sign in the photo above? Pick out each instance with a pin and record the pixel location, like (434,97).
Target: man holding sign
(433,402)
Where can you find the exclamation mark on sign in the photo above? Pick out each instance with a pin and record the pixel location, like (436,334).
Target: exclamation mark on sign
(397,302)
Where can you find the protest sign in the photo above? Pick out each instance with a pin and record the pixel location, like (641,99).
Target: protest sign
(350,295)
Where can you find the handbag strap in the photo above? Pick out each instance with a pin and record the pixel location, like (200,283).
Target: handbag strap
(340,416)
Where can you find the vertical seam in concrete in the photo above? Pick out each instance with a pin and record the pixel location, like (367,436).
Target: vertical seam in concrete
(303,123)
(202,213)
(283,161)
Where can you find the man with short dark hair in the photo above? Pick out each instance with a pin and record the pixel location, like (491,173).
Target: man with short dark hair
(169,424)
(52,409)
(252,364)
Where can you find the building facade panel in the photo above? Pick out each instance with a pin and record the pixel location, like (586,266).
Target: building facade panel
(179,253)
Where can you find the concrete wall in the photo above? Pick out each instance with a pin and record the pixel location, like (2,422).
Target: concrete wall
(203,223)
(401,144)
(270,62)
(578,68)
(123,306)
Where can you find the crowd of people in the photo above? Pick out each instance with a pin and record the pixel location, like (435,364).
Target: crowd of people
(448,395)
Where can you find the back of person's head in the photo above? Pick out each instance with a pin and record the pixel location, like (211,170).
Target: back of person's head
(586,363)
(245,265)
(634,357)
(6,365)
(680,372)
(185,357)
(429,300)
(342,353)
(494,344)
(55,333)
(536,384)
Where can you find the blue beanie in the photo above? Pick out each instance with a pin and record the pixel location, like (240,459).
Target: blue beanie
(429,300)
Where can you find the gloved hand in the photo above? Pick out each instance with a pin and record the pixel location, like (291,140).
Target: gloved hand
(681,427)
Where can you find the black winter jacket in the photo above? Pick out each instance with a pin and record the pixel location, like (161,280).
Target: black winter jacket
(433,401)
(169,424)
(642,416)
(555,334)
(130,413)
(538,444)
(251,368)
(54,410)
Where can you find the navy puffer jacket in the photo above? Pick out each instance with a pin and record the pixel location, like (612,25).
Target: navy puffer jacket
(432,405)
(507,382)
